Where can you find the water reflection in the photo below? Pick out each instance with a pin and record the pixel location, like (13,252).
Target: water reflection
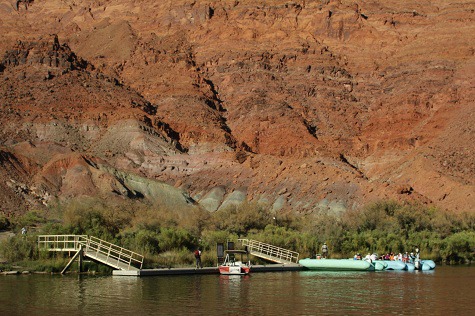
(446,290)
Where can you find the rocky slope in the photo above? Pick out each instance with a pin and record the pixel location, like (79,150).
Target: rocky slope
(304,105)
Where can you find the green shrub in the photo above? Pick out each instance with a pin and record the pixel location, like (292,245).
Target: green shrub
(55,264)
(241,219)
(177,238)
(175,258)
(96,217)
(31,218)
(304,243)
(19,247)
(210,238)
(459,247)
(391,227)
(142,241)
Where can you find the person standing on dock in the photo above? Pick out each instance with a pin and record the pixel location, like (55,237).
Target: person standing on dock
(324,250)
(198,259)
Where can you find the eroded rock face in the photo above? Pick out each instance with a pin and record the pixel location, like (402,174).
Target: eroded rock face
(307,105)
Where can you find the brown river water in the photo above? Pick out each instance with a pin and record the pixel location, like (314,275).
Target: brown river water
(444,291)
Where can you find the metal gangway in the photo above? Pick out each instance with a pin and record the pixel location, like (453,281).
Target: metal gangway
(94,248)
(270,252)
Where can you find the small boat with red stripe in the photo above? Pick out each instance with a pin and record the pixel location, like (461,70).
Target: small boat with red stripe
(231,266)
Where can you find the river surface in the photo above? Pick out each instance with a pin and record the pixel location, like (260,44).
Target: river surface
(443,291)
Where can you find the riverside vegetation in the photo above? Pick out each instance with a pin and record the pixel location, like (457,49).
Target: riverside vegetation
(167,240)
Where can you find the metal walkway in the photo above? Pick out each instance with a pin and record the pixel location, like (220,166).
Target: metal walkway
(94,248)
(270,252)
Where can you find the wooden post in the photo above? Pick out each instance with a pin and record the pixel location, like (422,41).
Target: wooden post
(80,259)
(78,254)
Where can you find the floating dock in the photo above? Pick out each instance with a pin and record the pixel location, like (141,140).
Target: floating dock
(128,263)
(205,270)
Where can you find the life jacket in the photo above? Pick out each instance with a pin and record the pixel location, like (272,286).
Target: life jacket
(197,253)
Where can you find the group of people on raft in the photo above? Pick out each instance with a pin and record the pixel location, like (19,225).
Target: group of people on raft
(404,257)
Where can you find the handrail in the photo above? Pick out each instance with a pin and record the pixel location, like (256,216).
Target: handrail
(116,253)
(270,250)
(61,242)
(95,248)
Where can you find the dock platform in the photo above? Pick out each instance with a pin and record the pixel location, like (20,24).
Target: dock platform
(205,270)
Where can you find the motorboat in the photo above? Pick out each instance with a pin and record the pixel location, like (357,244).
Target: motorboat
(231,266)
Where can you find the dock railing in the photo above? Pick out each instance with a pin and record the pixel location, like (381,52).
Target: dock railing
(94,248)
(109,253)
(61,242)
(270,252)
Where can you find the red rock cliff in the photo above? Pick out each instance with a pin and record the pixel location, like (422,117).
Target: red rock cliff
(304,105)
